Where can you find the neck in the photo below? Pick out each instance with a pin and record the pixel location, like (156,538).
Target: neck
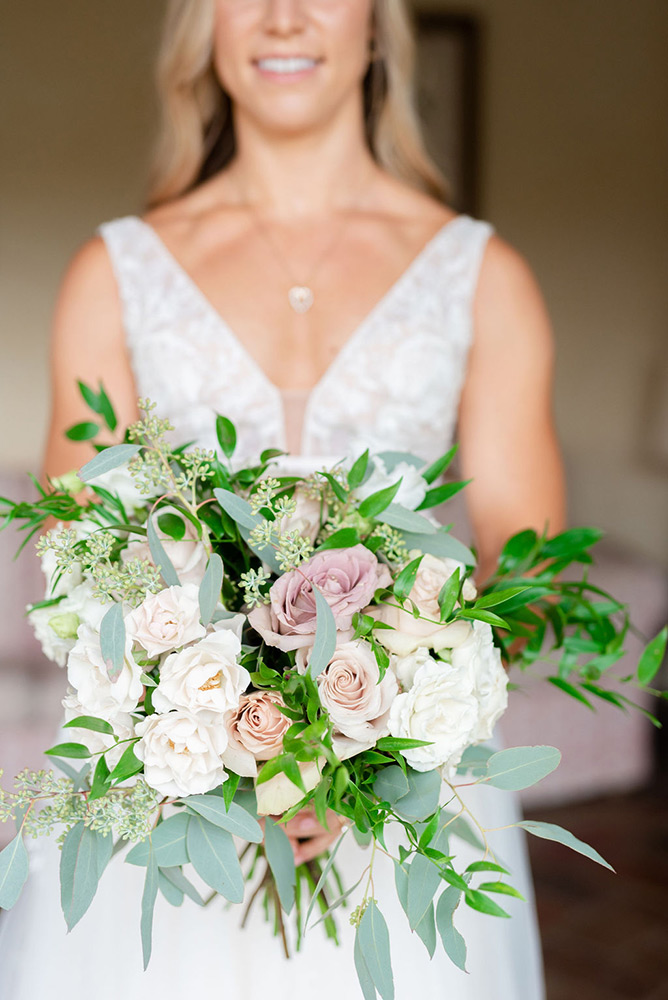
(302,175)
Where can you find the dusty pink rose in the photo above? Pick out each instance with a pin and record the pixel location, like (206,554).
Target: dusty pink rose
(166,620)
(347,579)
(357,703)
(255,729)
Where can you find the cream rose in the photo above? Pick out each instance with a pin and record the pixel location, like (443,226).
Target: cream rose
(358,703)
(255,730)
(409,633)
(167,620)
(440,708)
(204,677)
(279,794)
(189,556)
(122,724)
(405,668)
(479,654)
(87,673)
(181,753)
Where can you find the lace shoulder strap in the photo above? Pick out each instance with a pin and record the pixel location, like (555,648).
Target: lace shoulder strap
(461,257)
(136,267)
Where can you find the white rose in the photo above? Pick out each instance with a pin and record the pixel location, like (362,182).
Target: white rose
(409,633)
(181,753)
(481,656)
(413,487)
(189,556)
(306,518)
(406,667)
(203,677)
(278,794)
(440,708)
(87,673)
(122,724)
(56,627)
(67,582)
(356,702)
(167,620)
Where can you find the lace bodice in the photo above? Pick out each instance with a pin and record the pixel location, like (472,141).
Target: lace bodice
(394,385)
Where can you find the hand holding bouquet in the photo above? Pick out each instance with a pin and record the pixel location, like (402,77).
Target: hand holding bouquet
(241,645)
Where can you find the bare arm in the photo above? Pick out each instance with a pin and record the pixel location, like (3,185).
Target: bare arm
(88,344)
(508,441)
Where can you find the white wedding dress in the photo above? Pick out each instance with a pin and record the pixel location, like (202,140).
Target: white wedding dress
(395,385)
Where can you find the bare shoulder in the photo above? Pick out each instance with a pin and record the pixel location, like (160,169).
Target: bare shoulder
(89,282)
(509,304)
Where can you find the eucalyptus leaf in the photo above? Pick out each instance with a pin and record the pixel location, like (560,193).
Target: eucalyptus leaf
(180,882)
(421,800)
(79,872)
(441,544)
(167,844)
(453,943)
(105,850)
(13,871)
(405,519)
(426,930)
(172,894)
(214,858)
(160,557)
(148,907)
(363,974)
(237,508)
(391,784)
(374,942)
(550,831)
(281,860)
(324,643)
(112,641)
(391,459)
(235,820)
(423,881)
(520,767)
(210,587)
(105,461)
(323,878)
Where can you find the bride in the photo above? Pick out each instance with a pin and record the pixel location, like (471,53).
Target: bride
(298,269)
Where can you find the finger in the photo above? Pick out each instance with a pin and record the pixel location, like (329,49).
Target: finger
(313,848)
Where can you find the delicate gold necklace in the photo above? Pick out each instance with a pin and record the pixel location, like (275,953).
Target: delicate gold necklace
(300,293)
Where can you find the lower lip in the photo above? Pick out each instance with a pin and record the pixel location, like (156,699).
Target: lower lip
(273,75)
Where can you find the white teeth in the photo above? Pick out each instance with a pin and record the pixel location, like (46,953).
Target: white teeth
(288,65)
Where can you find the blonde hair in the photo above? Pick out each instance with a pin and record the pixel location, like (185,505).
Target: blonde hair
(196,137)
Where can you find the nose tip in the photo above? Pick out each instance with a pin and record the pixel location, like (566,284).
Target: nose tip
(284,16)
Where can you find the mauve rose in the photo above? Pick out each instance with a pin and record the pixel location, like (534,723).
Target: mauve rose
(357,703)
(347,578)
(409,633)
(255,729)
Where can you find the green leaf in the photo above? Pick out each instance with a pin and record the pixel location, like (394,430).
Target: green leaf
(374,942)
(82,432)
(210,587)
(110,458)
(339,491)
(441,544)
(112,641)
(233,819)
(281,860)
(391,784)
(440,494)
(518,548)
(570,543)
(344,538)
(479,901)
(106,410)
(400,743)
(438,467)
(172,525)
(323,878)
(652,657)
(358,470)
(167,843)
(422,797)
(406,578)
(472,614)
(380,500)
(520,767)
(128,765)
(501,887)
(486,866)
(550,831)
(363,974)
(404,519)
(499,596)
(77,750)
(426,930)
(448,594)
(229,788)
(237,508)
(13,872)
(423,881)
(453,943)
(90,722)
(148,907)
(79,872)
(180,882)
(100,785)
(227,435)
(571,690)
(324,643)
(214,857)
(160,557)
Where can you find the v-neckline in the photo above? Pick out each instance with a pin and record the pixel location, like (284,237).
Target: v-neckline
(389,295)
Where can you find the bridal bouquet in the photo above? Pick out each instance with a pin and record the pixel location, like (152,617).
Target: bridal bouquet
(240,645)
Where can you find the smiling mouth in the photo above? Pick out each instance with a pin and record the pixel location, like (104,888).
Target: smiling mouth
(286,65)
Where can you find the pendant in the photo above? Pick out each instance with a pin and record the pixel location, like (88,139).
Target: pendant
(300,298)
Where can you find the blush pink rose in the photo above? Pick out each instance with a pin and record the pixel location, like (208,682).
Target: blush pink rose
(255,730)
(347,578)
